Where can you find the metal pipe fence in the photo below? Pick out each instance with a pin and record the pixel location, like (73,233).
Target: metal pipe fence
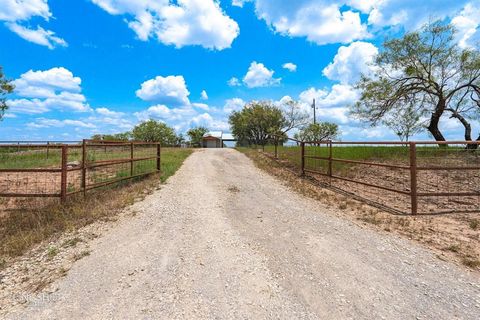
(60,169)
(405,177)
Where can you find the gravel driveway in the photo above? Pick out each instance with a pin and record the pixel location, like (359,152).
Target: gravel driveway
(223,240)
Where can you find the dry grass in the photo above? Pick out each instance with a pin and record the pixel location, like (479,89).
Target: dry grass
(27,226)
(474,224)
(454,237)
(38,220)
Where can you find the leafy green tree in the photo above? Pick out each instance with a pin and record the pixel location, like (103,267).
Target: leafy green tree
(154,131)
(261,121)
(196,134)
(425,68)
(322,131)
(256,123)
(180,139)
(6,87)
(124,136)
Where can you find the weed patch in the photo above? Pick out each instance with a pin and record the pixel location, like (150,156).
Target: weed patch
(471,262)
(474,224)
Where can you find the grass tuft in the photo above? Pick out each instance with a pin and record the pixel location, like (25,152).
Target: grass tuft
(52,252)
(474,224)
(81,255)
(71,242)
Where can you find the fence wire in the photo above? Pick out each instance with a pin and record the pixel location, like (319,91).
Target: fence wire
(420,177)
(51,169)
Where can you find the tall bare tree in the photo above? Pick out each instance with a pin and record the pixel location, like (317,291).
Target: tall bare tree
(294,116)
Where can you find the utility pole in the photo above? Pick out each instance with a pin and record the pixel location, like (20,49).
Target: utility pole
(314,112)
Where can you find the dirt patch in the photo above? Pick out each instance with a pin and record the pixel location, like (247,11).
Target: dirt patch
(438,232)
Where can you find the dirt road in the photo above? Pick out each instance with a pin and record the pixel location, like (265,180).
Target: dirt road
(223,240)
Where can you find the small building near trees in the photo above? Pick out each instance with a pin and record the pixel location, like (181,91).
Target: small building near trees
(216,139)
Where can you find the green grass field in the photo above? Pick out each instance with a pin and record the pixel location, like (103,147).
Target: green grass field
(398,155)
(39,219)
(171,160)
(24,158)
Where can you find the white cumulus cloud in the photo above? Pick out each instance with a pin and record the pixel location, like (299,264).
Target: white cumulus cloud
(170,90)
(320,21)
(332,105)
(292,67)
(259,76)
(39,36)
(234,82)
(234,104)
(16,12)
(47,123)
(333,21)
(180,23)
(351,61)
(42,91)
(467,23)
(204,95)
(411,14)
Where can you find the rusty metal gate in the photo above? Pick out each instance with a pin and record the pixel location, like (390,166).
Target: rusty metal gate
(60,169)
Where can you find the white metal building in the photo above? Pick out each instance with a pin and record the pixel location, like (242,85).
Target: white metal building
(216,139)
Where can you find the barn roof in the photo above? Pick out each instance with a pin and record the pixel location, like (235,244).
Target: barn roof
(214,134)
(219,135)
(228,136)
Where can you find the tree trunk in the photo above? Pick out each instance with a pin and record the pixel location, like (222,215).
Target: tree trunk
(468,130)
(466,125)
(435,120)
(475,146)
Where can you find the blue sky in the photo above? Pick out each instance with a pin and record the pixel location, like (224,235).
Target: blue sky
(101,66)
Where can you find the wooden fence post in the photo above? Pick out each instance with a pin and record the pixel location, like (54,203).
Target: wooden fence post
(413,178)
(303,158)
(63,182)
(131,159)
(48,148)
(84,167)
(159,148)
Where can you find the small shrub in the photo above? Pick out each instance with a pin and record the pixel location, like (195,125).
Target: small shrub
(453,248)
(471,262)
(52,252)
(474,224)
(72,242)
